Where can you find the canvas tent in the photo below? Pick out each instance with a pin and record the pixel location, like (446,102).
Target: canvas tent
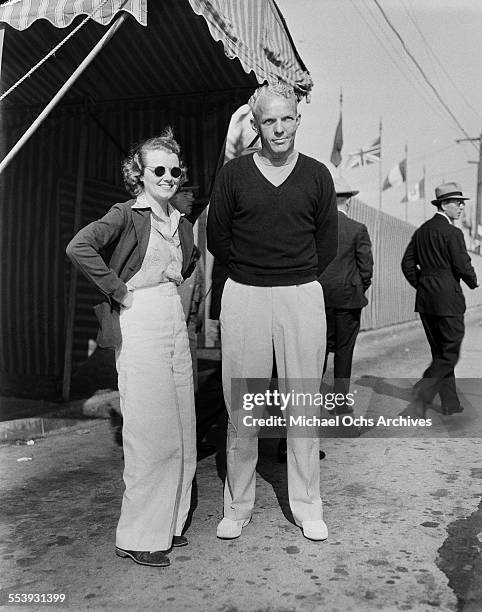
(188,63)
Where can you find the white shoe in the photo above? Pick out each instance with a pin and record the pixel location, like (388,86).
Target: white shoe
(229,529)
(315,530)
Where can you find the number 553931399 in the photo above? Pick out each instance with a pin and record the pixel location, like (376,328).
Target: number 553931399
(46,598)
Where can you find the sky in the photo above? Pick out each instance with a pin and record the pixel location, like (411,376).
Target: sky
(347,45)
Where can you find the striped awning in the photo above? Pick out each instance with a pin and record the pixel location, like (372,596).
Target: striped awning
(20,14)
(254,31)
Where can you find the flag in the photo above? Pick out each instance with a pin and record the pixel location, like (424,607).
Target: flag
(337,144)
(396,176)
(368,154)
(415,193)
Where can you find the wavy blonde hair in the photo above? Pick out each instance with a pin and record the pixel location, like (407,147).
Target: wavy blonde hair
(134,164)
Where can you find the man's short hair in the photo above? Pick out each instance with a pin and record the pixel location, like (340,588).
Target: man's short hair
(278,89)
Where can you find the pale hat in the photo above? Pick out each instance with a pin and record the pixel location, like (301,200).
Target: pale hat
(342,188)
(448,191)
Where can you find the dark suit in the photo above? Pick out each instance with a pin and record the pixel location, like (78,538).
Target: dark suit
(344,283)
(434,263)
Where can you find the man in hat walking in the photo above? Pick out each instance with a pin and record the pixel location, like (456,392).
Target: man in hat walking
(434,262)
(345,282)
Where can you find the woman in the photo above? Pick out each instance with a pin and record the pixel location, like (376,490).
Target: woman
(152,251)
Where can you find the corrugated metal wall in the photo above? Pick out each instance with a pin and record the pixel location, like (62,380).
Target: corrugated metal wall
(390,297)
(96,201)
(32,291)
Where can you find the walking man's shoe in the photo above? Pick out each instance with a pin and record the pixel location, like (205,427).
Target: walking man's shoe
(315,530)
(452,410)
(179,541)
(229,529)
(143,557)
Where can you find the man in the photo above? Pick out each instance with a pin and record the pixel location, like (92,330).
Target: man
(434,262)
(273,222)
(345,282)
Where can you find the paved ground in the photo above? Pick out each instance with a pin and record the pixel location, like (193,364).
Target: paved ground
(404,513)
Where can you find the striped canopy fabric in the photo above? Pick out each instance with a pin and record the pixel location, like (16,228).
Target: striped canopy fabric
(254,31)
(20,14)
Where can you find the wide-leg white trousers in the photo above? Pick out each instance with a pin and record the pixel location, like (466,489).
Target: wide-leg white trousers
(254,320)
(159,428)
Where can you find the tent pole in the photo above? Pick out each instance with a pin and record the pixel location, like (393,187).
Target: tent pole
(63,90)
(2,36)
(72,303)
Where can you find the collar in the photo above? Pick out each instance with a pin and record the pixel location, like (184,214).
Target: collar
(264,161)
(343,211)
(142,203)
(443,215)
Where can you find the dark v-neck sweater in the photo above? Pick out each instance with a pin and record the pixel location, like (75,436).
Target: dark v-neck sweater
(273,236)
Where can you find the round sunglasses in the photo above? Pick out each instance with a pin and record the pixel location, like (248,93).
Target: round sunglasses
(159,171)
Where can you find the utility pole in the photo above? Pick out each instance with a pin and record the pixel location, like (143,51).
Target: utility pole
(478,203)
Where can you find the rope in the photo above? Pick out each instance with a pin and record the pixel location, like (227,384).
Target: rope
(52,52)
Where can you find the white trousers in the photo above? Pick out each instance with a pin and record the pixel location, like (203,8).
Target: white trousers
(254,320)
(159,430)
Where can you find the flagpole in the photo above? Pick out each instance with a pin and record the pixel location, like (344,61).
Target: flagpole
(406,183)
(335,156)
(341,115)
(380,168)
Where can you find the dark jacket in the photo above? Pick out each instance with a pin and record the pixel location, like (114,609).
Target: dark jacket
(349,275)
(110,251)
(434,262)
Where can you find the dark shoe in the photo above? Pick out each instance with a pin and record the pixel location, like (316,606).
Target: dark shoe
(452,410)
(142,557)
(179,541)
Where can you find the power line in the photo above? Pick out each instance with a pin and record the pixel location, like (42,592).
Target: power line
(425,42)
(420,89)
(431,52)
(434,153)
(414,76)
(411,78)
(420,69)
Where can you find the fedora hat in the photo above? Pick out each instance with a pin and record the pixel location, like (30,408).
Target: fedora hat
(448,191)
(342,188)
